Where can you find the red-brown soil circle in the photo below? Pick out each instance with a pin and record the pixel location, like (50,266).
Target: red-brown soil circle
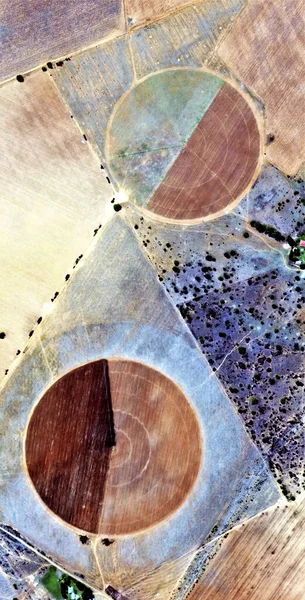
(113,447)
(217,163)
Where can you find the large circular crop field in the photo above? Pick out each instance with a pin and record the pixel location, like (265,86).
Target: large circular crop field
(113,447)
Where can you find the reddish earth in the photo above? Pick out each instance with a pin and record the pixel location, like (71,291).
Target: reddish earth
(113,447)
(68,445)
(217,163)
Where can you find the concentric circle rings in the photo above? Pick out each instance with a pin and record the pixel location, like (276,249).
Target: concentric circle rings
(113,447)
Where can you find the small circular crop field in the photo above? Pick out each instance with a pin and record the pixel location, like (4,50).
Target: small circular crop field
(184,143)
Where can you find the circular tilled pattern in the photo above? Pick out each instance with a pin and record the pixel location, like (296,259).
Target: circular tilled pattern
(113,447)
(184,144)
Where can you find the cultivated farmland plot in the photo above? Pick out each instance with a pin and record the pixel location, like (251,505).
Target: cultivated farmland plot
(152,177)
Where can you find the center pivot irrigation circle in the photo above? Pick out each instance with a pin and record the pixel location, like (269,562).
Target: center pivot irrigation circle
(184,144)
(113,447)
